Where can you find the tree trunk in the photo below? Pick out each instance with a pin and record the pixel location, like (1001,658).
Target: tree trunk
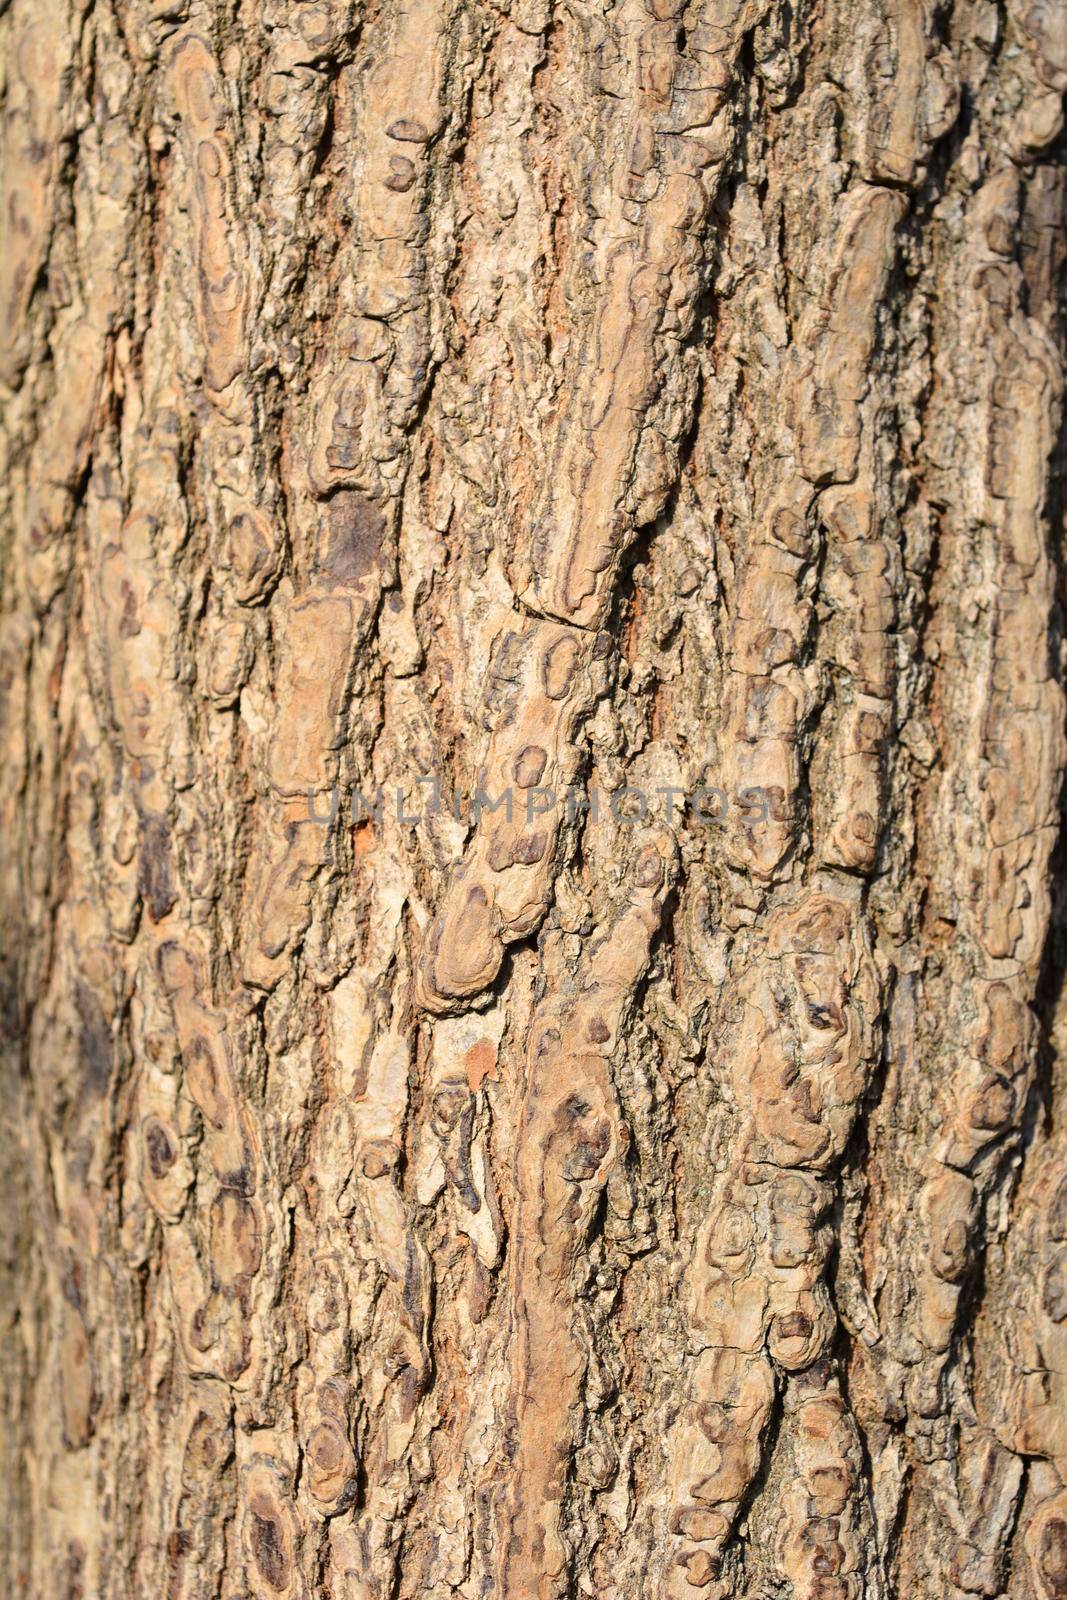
(534,734)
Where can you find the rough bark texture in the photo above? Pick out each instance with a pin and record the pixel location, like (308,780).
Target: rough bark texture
(643,396)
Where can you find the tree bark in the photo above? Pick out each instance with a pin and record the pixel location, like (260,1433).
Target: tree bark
(533,742)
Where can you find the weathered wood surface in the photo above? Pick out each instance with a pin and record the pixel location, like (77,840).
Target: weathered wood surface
(541,398)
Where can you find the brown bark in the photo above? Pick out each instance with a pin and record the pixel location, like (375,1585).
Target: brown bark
(656,1192)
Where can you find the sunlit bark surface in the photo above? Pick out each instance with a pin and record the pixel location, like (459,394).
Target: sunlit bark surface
(533,742)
